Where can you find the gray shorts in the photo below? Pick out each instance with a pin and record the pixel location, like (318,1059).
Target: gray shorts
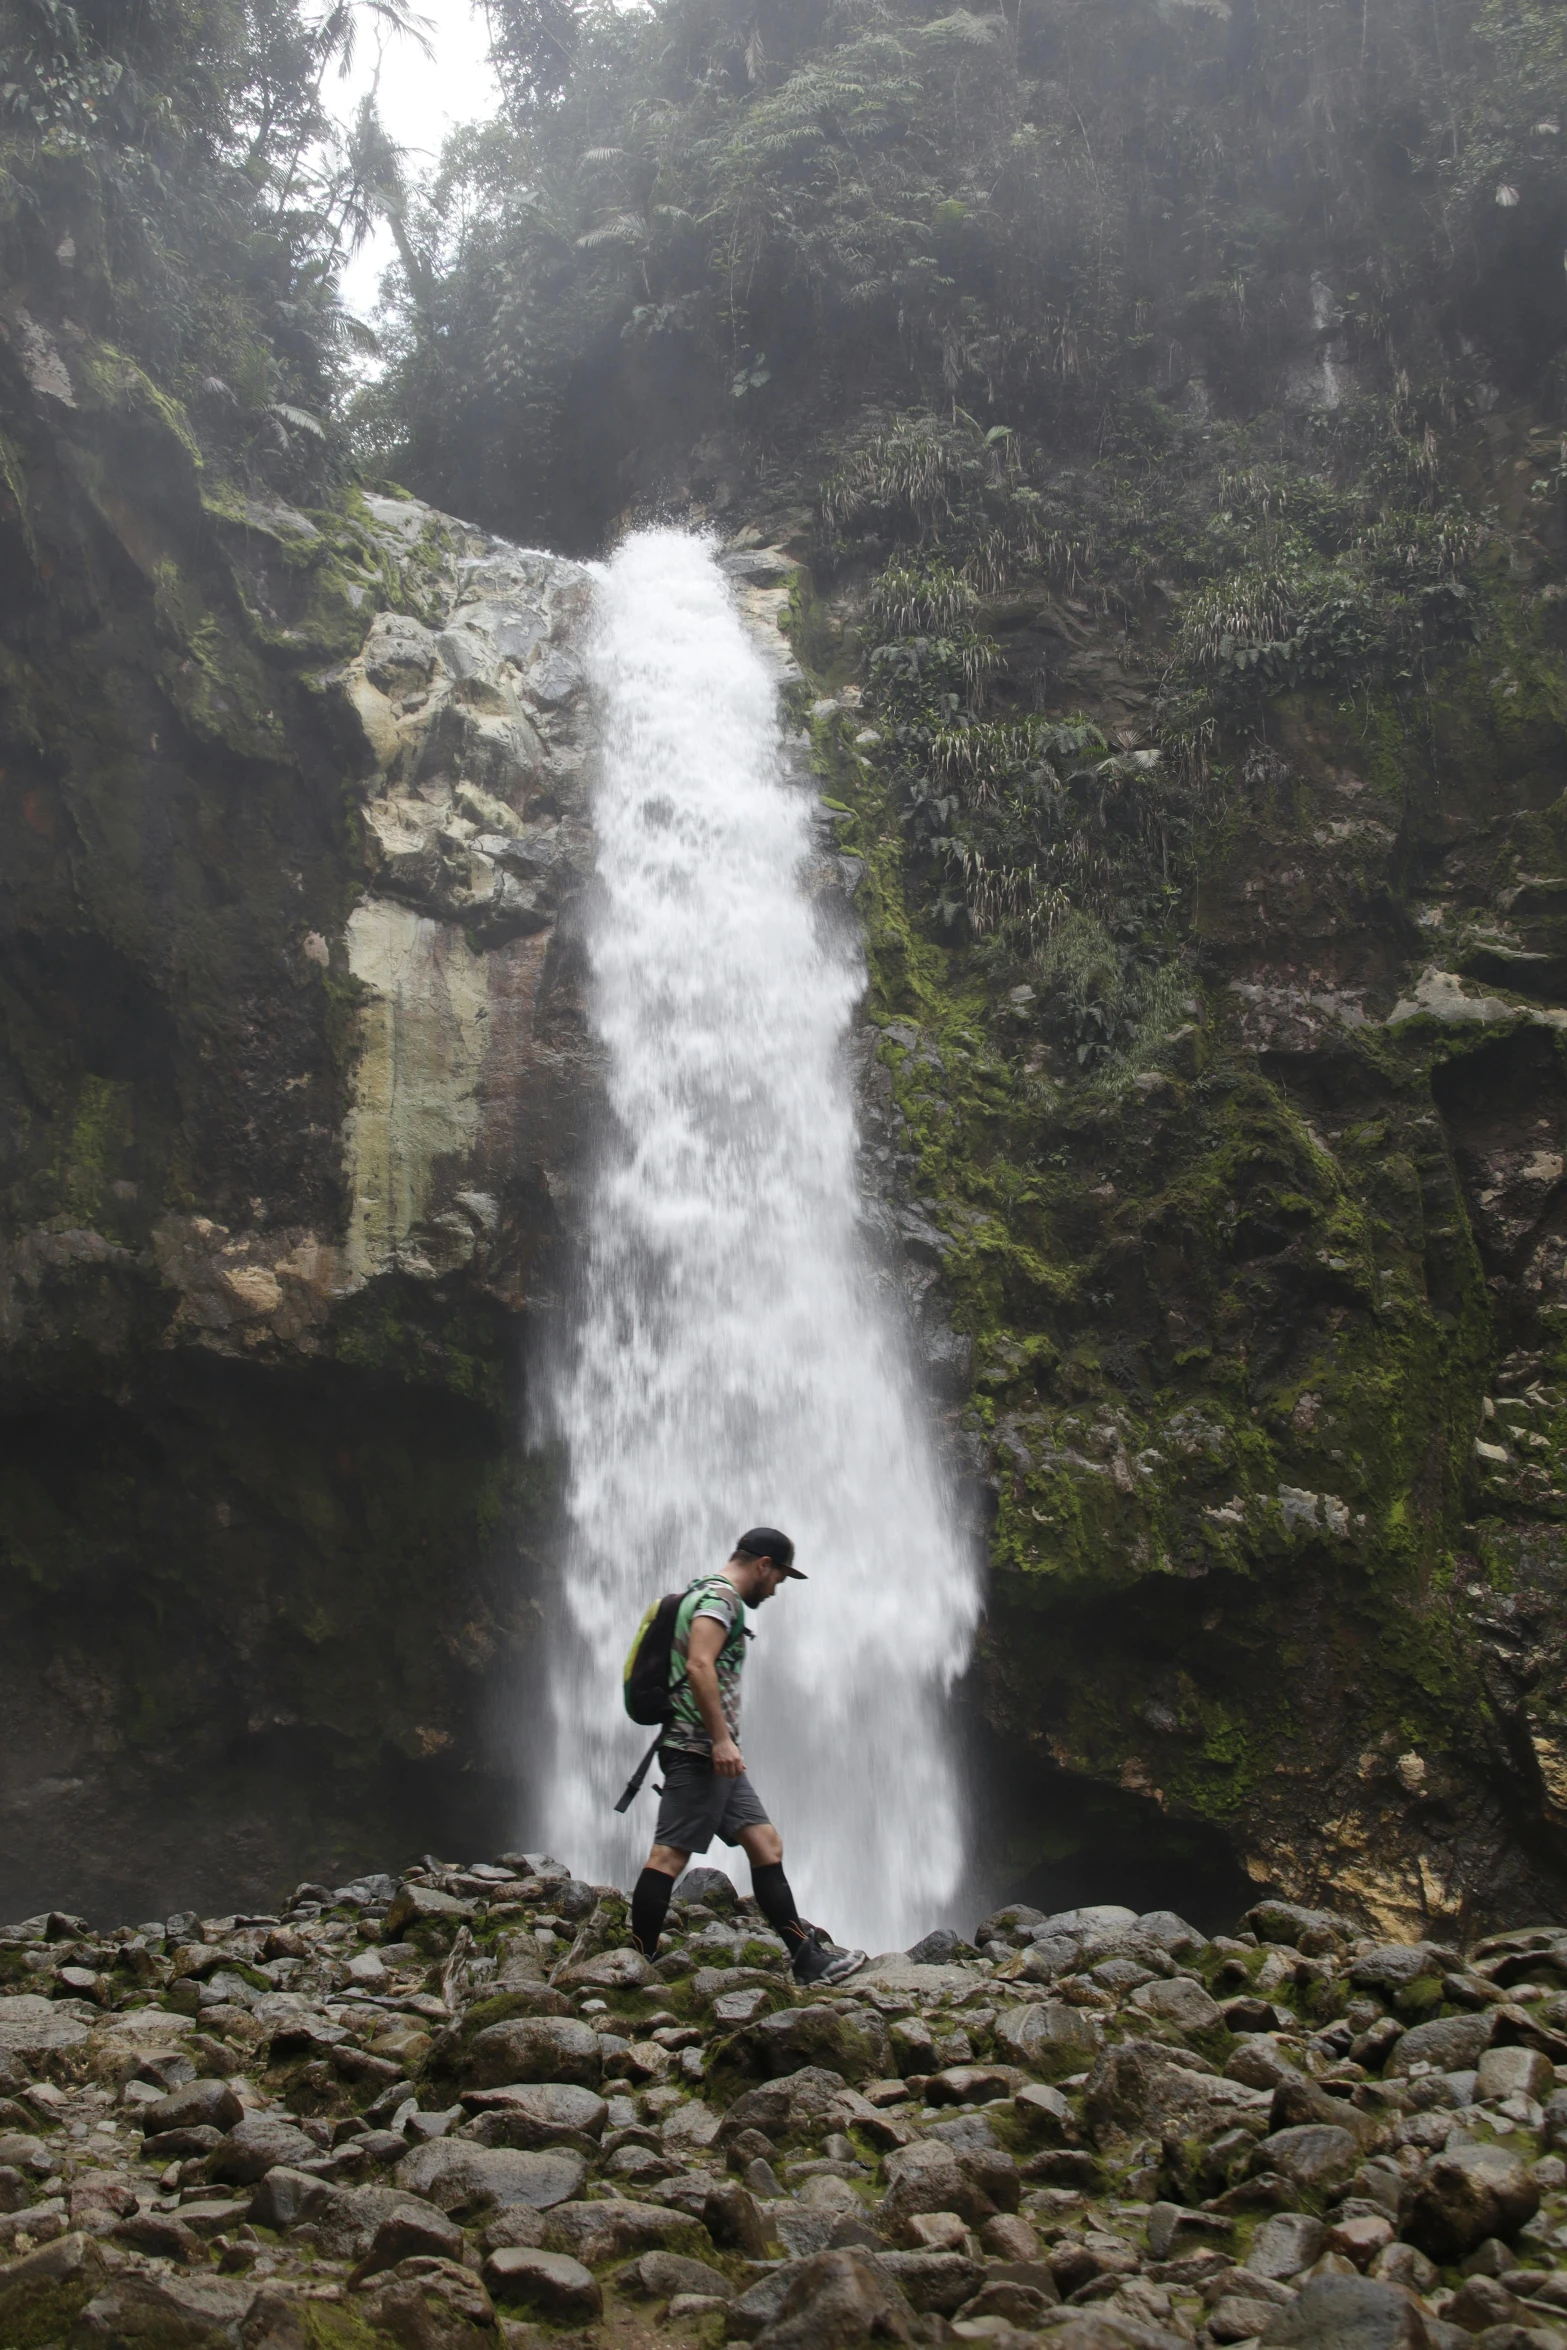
(698,1803)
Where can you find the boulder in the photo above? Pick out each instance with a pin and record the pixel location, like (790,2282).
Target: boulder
(1348,2313)
(930,2176)
(835,2300)
(1049,2037)
(256,2144)
(1453,2043)
(1181,2001)
(344,2222)
(796,2101)
(466,2179)
(1145,2087)
(595,2232)
(187,2313)
(939,2281)
(99,2200)
(1316,1933)
(407,2233)
(1466,2194)
(1314,2155)
(430,2304)
(1516,2071)
(1285,2244)
(535,2114)
(32,2028)
(209,2103)
(855,2047)
(663,2274)
(417,1905)
(612,1970)
(1390,1965)
(551,2284)
(535,2048)
(42,2292)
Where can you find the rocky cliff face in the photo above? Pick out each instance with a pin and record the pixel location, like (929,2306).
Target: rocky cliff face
(292,1071)
(1253,1325)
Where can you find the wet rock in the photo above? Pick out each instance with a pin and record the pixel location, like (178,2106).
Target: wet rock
(797,2038)
(1348,2313)
(1314,2155)
(663,2274)
(517,2223)
(1144,2086)
(796,2101)
(194,2313)
(406,2235)
(613,1970)
(42,2293)
(936,1949)
(1049,2037)
(163,2234)
(427,2304)
(536,2114)
(837,2299)
(930,2176)
(1314,1932)
(98,2200)
(413,1905)
(466,2179)
(210,2104)
(256,2144)
(1284,2245)
(1020,2305)
(1451,2044)
(1181,2001)
(551,2284)
(1465,2195)
(1515,2071)
(535,2049)
(595,2232)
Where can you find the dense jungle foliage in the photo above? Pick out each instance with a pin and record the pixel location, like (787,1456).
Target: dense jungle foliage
(1010,293)
(1006,294)
(173,178)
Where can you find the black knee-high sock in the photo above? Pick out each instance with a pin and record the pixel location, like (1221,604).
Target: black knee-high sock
(649,1908)
(776,1902)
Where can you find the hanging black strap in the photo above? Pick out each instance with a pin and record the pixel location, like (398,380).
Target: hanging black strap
(634,1783)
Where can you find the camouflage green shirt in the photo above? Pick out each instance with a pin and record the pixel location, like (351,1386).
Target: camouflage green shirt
(715,1596)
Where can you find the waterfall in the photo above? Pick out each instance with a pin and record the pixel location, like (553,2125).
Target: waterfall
(731,1363)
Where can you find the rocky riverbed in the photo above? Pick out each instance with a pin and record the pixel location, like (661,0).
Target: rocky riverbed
(456,2109)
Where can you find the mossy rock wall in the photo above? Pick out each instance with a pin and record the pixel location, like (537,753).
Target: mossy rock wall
(1250,1334)
(285,1083)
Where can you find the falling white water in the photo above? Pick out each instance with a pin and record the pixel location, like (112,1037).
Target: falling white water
(732,1365)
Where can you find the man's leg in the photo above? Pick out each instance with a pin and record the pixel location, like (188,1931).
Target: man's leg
(763,1848)
(650,1900)
(809,1961)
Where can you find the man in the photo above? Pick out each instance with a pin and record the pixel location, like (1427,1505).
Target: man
(706,1792)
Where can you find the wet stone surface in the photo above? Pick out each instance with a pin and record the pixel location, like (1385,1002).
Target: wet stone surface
(510,2129)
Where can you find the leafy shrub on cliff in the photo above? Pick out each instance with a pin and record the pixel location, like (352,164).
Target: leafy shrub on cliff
(171,178)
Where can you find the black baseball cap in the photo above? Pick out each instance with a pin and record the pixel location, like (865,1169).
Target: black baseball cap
(765,1542)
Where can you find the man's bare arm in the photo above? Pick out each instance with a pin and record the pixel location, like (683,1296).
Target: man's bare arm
(702,1654)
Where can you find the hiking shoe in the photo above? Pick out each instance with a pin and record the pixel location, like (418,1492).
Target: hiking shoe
(819,1960)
